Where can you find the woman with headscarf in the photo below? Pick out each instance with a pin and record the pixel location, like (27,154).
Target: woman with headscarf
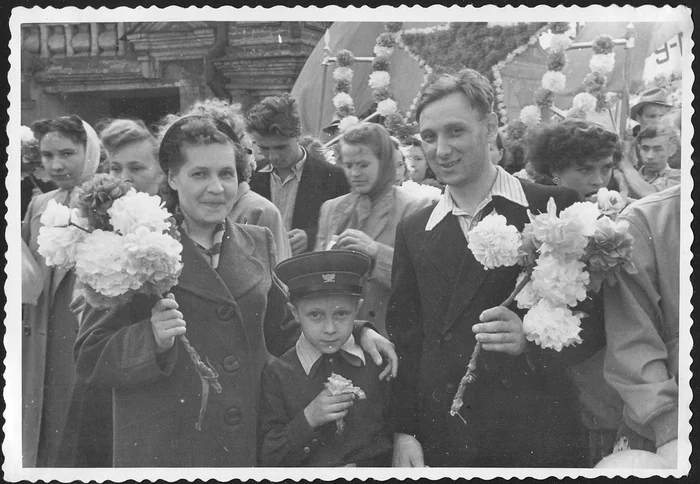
(365,219)
(70,152)
(227,304)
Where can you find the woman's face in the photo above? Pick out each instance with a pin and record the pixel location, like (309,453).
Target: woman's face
(495,154)
(206,184)
(400,166)
(137,164)
(587,178)
(417,164)
(361,167)
(62,158)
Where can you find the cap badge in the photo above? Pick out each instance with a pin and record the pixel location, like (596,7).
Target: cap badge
(328,277)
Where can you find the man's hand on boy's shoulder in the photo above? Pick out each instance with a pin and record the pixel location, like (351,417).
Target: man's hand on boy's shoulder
(377,345)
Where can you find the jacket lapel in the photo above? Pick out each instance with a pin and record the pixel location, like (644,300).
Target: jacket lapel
(444,245)
(382,212)
(238,268)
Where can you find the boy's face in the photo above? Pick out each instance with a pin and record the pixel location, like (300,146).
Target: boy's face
(327,321)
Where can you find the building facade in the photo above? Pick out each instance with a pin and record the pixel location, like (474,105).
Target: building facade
(149,69)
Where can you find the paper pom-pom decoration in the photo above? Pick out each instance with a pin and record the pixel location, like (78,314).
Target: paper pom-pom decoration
(394,26)
(381,51)
(347,122)
(557,61)
(603,45)
(379,95)
(602,63)
(342,73)
(342,86)
(530,115)
(345,58)
(544,98)
(559,43)
(554,81)
(380,64)
(387,107)
(584,102)
(342,99)
(386,40)
(560,27)
(379,79)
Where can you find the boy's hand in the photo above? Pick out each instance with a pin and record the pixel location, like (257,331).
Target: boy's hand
(327,408)
(167,323)
(501,330)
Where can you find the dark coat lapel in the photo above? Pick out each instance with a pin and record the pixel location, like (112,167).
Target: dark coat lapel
(472,275)
(309,186)
(444,246)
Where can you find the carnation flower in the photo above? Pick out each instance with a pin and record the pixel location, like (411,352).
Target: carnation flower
(381,51)
(530,115)
(96,197)
(602,63)
(494,243)
(345,58)
(138,209)
(342,73)
(609,249)
(97,300)
(526,298)
(528,247)
(561,238)
(152,257)
(339,385)
(609,202)
(585,102)
(583,214)
(379,79)
(342,99)
(552,327)
(55,215)
(26,134)
(58,245)
(347,122)
(559,43)
(554,81)
(561,283)
(99,264)
(428,191)
(387,107)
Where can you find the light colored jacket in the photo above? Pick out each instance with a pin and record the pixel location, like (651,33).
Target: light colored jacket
(381,227)
(641,319)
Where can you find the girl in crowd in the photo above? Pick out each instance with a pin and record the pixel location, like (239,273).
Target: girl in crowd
(70,153)
(132,154)
(249,207)
(365,219)
(225,302)
(399,163)
(581,155)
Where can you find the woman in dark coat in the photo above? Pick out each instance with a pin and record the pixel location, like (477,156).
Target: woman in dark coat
(225,302)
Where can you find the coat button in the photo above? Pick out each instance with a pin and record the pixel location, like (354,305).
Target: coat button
(314,441)
(27,330)
(447,337)
(307,450)
(450,388)
(507,383)
(372,314)
(232,416)
(224,313)
(231,364)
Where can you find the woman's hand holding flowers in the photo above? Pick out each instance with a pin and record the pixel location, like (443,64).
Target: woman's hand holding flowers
(501,330)
(167,323)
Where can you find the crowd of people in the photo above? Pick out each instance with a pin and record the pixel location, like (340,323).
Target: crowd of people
(303,263)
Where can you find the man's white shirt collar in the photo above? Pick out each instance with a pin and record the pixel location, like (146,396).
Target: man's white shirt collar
(506,186)
(308,354)
(297,168)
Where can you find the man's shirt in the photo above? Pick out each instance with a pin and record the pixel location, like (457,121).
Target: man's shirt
(284,192)
(667,177)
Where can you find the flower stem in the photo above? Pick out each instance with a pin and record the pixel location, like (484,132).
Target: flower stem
(76,225)
(470,375)
(206,373)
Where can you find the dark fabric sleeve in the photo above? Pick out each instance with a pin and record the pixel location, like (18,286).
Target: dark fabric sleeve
(117,348)
(404,324)
(281,439)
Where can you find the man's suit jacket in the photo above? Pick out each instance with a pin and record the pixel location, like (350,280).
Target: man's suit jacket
(515,415)
(320,181)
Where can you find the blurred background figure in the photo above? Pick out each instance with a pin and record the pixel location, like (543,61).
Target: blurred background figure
(35,180)
(402,173)
(650,110)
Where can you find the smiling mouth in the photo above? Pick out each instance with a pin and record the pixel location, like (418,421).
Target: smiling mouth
(448,164)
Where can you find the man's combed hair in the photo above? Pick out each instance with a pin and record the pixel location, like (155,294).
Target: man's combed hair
(556,147)
(275,115)
(70,127)
(654,131)
(469,82)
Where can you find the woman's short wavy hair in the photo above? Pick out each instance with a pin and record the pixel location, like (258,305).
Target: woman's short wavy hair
(70,127)
(118,133)
(571,142)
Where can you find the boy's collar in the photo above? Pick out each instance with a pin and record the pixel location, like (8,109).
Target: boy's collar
(308,354)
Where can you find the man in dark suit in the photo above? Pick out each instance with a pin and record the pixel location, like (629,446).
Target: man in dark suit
(520,411)
(296,180)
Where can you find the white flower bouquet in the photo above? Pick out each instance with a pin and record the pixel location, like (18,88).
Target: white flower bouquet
(337,385)
(120,243)
(563,256)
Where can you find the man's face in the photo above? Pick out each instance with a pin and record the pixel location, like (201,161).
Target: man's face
(455,139)
(655,152)
(281,152)
(651,114)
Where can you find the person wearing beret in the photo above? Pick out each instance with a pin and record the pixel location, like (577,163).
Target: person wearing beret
(302,421)
(521,411)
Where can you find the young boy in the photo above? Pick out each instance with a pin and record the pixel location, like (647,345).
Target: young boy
(301,422)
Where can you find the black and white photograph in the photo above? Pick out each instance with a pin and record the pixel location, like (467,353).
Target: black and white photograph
(326,242)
